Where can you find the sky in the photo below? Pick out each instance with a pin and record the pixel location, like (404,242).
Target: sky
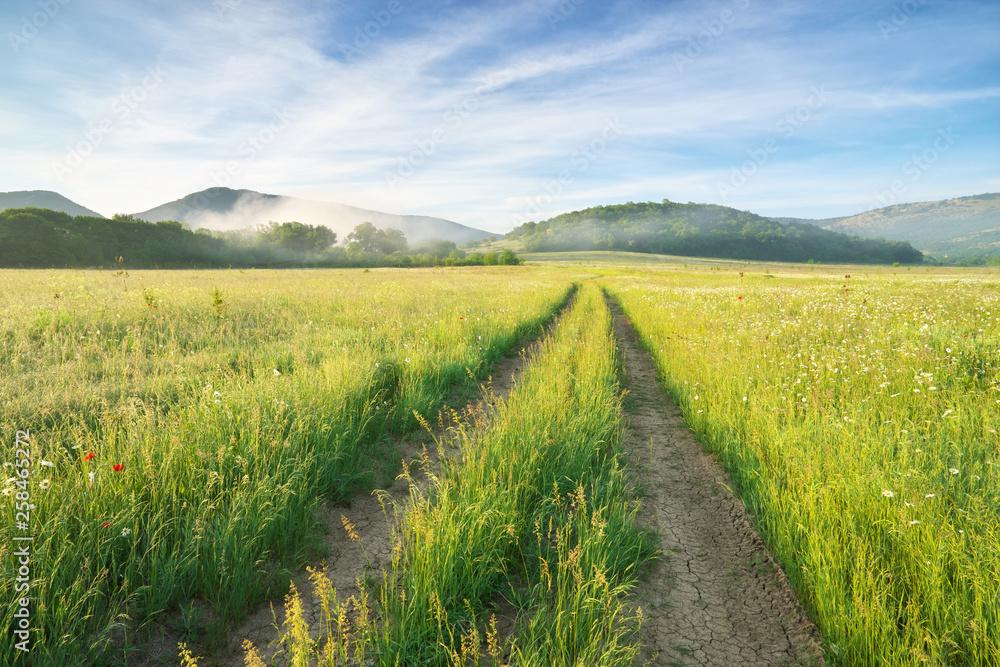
(495,113)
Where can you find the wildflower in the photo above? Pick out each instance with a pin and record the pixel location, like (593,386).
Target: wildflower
(91,476)
(351,531)
(44,484)
(217,401)
(953,471)
(888,494)
(217,394)
(125,532)
(908,504)
(407,360)
(914,522)
(119,467)
(11,479)
(88,456)
(7,491)
(276,372)
(49,464)
(77,446)
(106,524)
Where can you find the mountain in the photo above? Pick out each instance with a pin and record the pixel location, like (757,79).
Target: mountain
(227,209)
(43,199)
(703,230)
(965,226)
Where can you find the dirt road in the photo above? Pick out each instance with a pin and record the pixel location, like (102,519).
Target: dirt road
(716,597)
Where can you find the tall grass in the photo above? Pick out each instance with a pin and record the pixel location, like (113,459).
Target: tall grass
(536,509)
(860,418)
(194,420)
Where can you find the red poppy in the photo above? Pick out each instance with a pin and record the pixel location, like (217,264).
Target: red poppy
(88,456)
(460,317)
(106,524)
(740,298)
(119,467)
(965,335)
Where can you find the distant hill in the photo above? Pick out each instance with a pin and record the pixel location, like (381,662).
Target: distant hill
(703,230)
(227,209)
(44,199)
(965,226)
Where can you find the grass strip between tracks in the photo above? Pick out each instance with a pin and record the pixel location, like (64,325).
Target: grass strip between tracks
(536,509)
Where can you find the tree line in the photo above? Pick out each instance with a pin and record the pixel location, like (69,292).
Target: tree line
(704,230)
(42,238)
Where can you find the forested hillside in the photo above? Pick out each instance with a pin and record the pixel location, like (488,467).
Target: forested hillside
(703,230)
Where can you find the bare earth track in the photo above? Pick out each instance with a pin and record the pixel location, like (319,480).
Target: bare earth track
(716,596)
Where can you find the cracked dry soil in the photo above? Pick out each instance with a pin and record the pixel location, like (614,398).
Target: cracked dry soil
(715,596)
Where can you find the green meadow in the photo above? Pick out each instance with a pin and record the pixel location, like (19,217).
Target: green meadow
(186,425)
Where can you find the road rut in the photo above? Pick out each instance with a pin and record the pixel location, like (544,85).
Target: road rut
(716,596)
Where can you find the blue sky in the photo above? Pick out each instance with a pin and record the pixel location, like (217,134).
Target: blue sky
(494,113)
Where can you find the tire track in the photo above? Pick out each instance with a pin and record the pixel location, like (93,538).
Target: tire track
(716,596)
(372,521)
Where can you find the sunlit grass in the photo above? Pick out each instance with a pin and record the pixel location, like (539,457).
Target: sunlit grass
(536,509)
(194,419)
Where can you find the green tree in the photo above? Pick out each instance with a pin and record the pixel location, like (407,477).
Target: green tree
(297,237)
(368,238)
